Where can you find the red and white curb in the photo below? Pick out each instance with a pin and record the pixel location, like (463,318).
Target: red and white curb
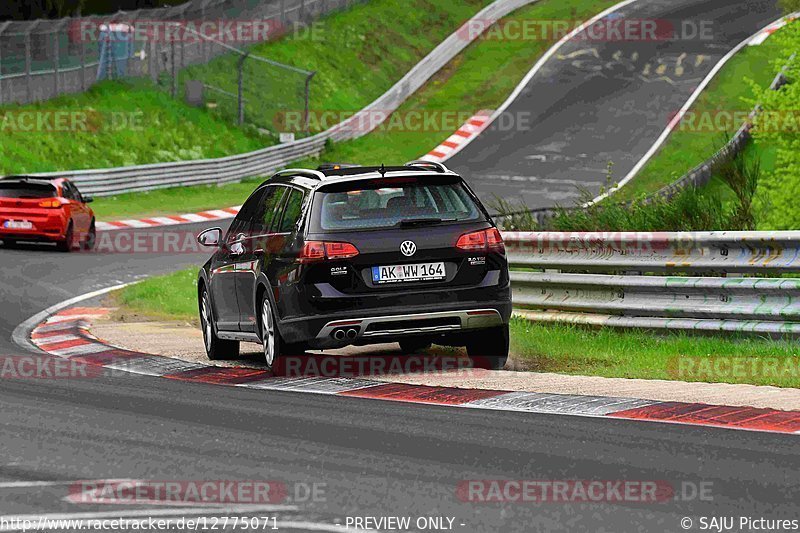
(764,34)
(463,136)
(66,334)
(170,220)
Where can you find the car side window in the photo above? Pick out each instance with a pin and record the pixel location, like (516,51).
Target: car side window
(292,212)
(244,219)
(76,192)
(268,211)
(66,191)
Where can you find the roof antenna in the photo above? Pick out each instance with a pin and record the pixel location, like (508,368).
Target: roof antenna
(382,170)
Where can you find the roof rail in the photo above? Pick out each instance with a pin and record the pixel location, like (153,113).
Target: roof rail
(438,167)
(300,172)
(335,166)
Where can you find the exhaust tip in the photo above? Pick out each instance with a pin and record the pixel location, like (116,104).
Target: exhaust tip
(351,333)
(338,334)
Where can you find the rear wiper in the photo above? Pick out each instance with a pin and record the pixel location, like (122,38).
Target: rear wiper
(411,222)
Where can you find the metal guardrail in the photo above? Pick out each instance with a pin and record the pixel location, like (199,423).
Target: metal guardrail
(659,280)
(106,182)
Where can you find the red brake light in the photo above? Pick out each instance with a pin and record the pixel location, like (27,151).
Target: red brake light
(312,251)
(50,203)
(484,240)
(340,250)
(319,251)
(494,241)
(472,241)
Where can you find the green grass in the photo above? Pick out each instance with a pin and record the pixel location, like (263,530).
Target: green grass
(685,148)
(570,349)
(358,54)
(164,130)
(174,200)
(169,297)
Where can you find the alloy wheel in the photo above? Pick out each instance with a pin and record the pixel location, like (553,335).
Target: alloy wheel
(268,333)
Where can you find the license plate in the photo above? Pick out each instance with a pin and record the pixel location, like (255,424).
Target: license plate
(18,224)
(415,272)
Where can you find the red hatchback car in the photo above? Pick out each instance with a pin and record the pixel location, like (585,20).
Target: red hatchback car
(45,210)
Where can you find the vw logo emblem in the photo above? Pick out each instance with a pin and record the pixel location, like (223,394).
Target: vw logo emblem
(408,248)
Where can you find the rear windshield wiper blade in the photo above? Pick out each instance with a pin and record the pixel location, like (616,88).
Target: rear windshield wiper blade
(410,222)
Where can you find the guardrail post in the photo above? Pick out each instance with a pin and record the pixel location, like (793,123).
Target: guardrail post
(83,57)
(2,29)
(29,92)
(155,68)
(203,40)
(241,86)
(111,56)
(308,98)
(56,62)
(174,88)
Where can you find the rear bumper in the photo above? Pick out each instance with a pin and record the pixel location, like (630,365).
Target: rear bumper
(391,323)
(49,227)
(48,236)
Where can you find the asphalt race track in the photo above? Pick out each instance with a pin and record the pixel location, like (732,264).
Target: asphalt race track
(374,458)
(596,102)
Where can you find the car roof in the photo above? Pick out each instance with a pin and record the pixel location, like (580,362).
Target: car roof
(38,180)
(328,173)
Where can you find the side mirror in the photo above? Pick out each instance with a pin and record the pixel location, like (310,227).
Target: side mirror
(210,237)
(88,199)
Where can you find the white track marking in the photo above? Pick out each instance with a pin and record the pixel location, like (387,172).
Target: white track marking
(164,221)
(536,67)
(192,217)
(135,223)
(679,115)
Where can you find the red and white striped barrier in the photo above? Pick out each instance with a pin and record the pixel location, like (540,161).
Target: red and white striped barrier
(170,220)
(66,335)
(463,136)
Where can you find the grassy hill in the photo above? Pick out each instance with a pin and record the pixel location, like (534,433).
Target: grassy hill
(358,54)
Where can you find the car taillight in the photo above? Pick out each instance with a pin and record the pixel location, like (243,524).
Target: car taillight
(319,251)
(312,251)
(340,250)
(494,241)
(488,240)
(50,203)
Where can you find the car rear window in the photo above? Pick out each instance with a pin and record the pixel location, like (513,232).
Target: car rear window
(388,202)
(26,190)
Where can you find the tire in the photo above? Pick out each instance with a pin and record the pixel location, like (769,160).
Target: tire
(91,239)
(66,244)
(9,243)
(413,346)
(216,348)
(272,343)
(488,348)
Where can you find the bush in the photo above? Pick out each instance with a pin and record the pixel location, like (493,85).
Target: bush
(780,188)
(689,210)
